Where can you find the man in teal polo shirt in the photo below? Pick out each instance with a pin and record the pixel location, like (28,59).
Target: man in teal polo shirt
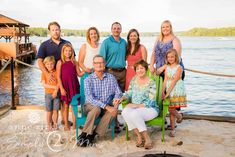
(113,49)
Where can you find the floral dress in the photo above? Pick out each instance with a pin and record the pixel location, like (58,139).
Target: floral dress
(178,94)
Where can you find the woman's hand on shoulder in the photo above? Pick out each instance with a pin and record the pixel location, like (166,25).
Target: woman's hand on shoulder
(161,69)
(88,70)
(81,73)
(152,69)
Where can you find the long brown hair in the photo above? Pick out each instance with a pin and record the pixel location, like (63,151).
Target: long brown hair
(128,46)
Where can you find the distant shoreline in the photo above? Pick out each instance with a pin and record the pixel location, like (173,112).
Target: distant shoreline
(195,32)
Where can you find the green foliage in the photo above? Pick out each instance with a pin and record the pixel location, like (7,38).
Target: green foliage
(42,32)
(229,31)
(65,32)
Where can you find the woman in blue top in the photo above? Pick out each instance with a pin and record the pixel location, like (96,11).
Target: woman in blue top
(167,40)
(142,106)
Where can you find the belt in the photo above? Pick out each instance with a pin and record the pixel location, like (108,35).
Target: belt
(115,69)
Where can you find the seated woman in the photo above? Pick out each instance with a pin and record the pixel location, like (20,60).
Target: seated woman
(142,106)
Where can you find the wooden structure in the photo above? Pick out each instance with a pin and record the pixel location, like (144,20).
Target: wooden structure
(17,43)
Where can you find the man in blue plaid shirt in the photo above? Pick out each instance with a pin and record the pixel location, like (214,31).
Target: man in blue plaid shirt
(102,95)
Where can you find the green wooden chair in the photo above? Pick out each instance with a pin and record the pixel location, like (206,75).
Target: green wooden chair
(163,107)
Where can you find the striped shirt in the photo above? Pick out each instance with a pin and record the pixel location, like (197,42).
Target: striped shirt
(101,92)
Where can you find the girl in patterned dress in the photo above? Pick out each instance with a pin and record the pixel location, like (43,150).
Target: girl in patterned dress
(174,88)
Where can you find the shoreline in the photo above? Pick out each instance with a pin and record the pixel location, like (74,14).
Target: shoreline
(23,134)
(6,108)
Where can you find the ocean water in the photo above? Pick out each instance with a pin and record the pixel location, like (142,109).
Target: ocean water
(207,95)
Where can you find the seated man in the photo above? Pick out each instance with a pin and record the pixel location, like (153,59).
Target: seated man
(102,95)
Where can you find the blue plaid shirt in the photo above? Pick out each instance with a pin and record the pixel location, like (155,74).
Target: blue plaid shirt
(101,92)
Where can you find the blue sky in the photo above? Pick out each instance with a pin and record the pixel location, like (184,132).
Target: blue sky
(145,15)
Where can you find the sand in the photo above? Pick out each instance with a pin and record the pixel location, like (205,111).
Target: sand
(23,134)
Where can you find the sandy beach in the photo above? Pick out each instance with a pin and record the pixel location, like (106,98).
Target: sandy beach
(23,134)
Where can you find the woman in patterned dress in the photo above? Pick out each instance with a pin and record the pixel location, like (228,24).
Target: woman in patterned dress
(164,42)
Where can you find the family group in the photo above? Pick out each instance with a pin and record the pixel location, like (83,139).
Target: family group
(116,70)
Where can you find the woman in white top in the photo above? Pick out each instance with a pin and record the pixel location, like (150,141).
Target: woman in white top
(89,49)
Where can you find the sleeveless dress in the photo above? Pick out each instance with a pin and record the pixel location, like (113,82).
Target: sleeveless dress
(90,53)
(178,94)
(69,81)
(160,53)
(130,72)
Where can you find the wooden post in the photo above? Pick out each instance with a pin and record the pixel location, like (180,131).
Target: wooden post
(13,107)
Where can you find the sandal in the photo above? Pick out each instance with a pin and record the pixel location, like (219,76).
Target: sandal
(49,129)
(66,129)
(56,127)
(117,129)
(63,123)
(172,133)
(148,145)
(140,144)
(168,127)
(179,120)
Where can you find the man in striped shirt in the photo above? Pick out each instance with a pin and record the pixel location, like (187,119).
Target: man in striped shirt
(102,95)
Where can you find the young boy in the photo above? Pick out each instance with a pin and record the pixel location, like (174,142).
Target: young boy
(51,97)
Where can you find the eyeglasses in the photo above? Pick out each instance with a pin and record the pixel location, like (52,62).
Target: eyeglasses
(98,62)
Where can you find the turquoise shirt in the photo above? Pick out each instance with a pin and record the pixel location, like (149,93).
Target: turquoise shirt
(114,52)
(142,94)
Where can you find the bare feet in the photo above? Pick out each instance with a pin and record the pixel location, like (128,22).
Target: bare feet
(140,143)
(66,128)
(172,133)
(74,127)
(148,145)
(49,128)
(55,126)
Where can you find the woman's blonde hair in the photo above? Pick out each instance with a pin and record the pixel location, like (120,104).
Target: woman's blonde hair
(88,34)
(72,57)
(161,34)
(49,59)
(176,56)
